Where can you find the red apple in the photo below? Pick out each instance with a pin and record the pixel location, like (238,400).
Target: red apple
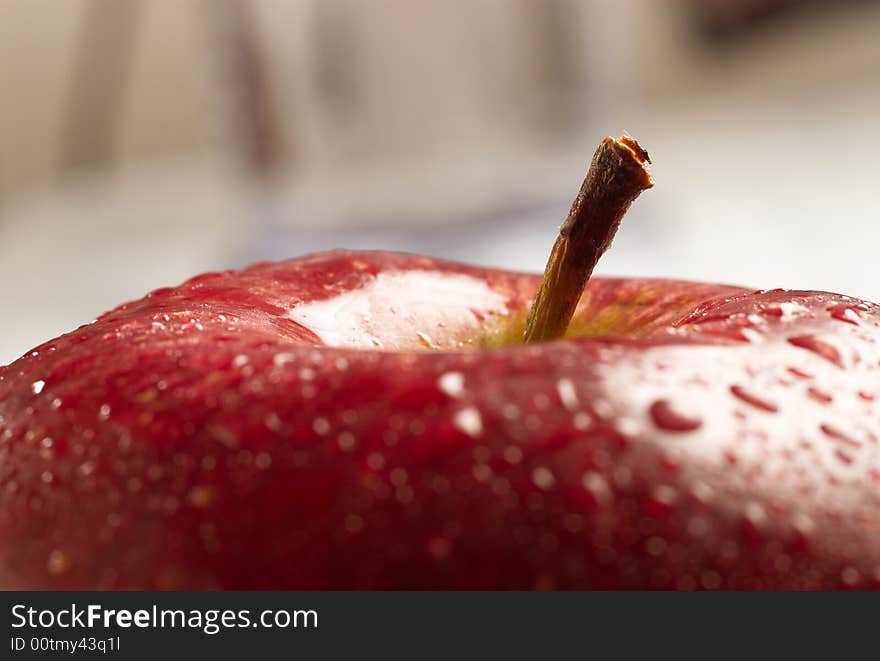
(373,420)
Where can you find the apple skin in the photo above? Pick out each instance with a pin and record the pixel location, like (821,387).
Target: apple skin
(288,427)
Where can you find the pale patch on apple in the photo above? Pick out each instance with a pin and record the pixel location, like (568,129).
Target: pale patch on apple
(397,310)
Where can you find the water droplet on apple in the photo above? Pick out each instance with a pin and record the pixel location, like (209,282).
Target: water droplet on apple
(790,310)
(510,411)
(603,408)
(513,454)
(439,547)
(702,492)
(346,441)
(698,526)
(469,421)
(799,373)
(837,435)
(843,312)
(582,420)
(850,576)
(272,421)
(543,478)
(404,495)
(628,426)
(57,562)
(281,359)
(710,579)
(755,513)
(452,383)
(223,435)
(482,472)
(567,394)
(666,417)
(661,500)
(201,496)
(753,400)
(803,524)
(819,395)
(820,347)
(263,460)
(37,386)
(425,340)
(353,523)
(655,546)
(596,484)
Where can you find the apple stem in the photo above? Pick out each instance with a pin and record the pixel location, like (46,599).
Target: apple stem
(617,174)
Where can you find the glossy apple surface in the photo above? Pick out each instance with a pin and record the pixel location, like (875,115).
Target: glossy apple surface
(368,420)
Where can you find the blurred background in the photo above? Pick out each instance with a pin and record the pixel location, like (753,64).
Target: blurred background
(144,141)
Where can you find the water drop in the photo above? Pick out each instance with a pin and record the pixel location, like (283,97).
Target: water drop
(469,421)
(819,395)
(755,513)
(820,347)
(753,400)
(398,477)
(346,441)
(512,454)
(845,313)
(659,503)
(582,420)
(439,548)
(595,484)
(710,579)
(263,460)
(850,576)
(451,383)
(482,472)
(201,496)
(791,310)
(666,417)
(223,435)
(543,478)
(702,491)
(567,394)
(425,340)
(799,373)
(57,563)
(838,435)
(353,523)
(321,426)
(376,461)
(281,359)
(37,386)
(272,421)
(655,546)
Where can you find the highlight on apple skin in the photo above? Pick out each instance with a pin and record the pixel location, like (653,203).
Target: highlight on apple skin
(374,420)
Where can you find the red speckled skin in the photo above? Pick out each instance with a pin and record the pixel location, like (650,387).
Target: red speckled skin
(696,436)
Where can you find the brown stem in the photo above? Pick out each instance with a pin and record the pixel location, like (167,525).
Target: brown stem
(617,174)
